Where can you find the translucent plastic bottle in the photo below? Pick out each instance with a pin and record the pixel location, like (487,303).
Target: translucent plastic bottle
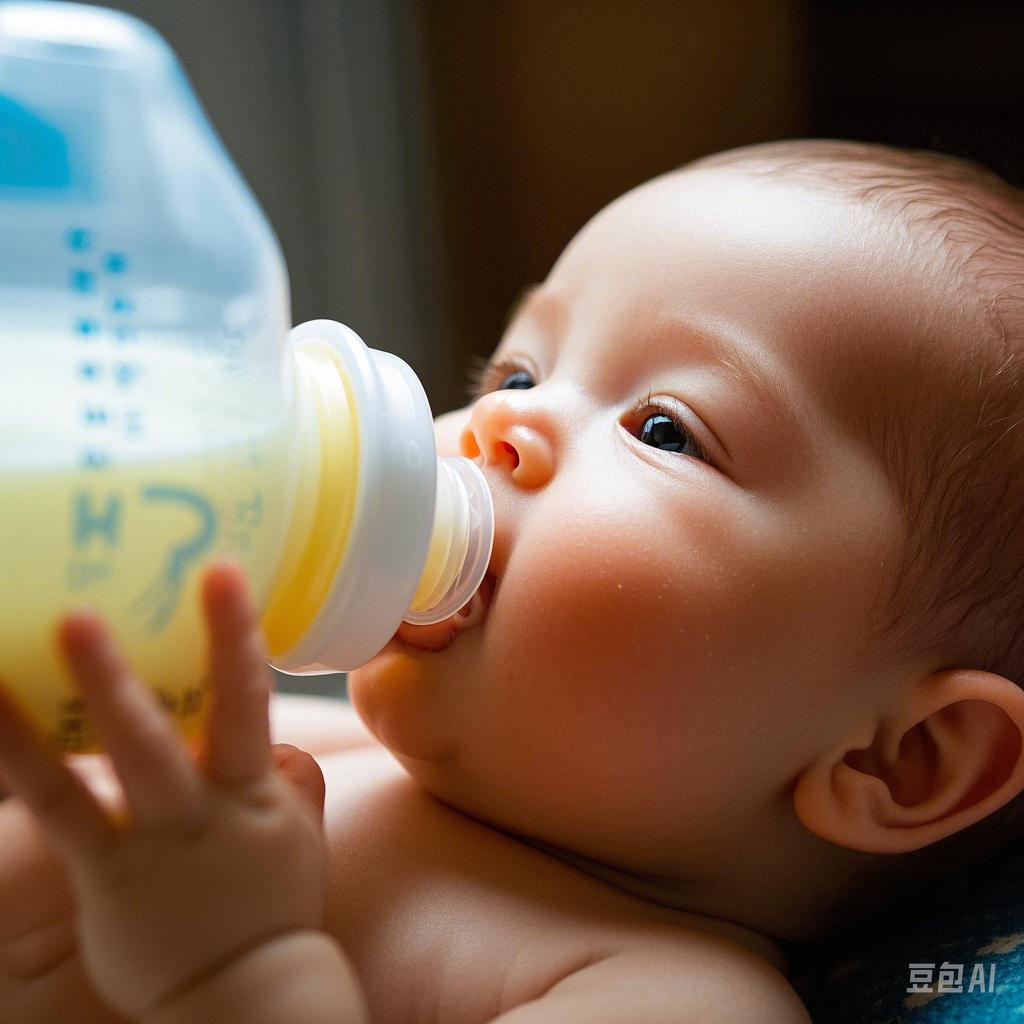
(156,410)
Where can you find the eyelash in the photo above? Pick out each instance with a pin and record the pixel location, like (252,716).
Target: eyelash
(485,376)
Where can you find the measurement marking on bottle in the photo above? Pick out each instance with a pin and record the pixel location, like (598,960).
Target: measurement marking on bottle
(79,239)
(83,281)
(133,422)
(126,374)
(74,733)
(90,521)
(84,572)
(99,281)
(115,262)
(249,514)
(94,458)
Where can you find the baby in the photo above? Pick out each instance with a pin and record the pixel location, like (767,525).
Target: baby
(750,629)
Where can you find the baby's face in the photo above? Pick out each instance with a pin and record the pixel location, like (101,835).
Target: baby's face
(690,534)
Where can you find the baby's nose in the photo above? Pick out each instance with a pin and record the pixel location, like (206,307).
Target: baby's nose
(509,432)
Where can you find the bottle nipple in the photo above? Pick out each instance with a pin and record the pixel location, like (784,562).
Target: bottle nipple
(460,543)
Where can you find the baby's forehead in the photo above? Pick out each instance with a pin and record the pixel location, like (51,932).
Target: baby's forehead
(943,244)
(950,226)
(897,262)
(951,229)
(816,255)
(966,213)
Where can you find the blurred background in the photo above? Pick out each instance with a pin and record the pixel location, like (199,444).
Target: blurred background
(422,161)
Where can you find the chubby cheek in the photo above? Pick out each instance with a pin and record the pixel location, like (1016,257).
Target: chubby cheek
(397,699)
(611,672)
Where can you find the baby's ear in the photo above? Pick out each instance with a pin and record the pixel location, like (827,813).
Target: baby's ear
(948,755)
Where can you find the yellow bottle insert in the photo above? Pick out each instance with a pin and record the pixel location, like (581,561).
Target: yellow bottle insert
(325,493)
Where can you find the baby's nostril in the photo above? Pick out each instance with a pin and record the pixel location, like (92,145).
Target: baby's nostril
(509,450)
(468,445)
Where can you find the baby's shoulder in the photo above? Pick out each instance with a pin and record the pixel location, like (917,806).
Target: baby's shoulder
(697,979)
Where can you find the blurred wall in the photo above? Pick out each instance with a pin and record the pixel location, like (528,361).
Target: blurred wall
(945,76)
(545,111)
(323,105)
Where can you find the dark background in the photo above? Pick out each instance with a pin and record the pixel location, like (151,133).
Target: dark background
(423,161)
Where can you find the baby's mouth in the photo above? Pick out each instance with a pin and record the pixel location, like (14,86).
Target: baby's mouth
(438,635)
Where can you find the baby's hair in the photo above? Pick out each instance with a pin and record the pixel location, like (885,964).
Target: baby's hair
(954,453)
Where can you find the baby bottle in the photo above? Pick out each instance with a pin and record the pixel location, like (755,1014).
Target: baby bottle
(156,410)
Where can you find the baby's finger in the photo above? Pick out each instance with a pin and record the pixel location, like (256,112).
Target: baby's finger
(160,782)
(63,806)
(238,728)
(300,768)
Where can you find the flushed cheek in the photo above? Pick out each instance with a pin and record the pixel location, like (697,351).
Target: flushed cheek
(612,653)
(590,738)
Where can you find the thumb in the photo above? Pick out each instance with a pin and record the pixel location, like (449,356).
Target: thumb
(300,768)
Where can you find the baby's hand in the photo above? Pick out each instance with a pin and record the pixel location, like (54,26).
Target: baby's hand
(212,858)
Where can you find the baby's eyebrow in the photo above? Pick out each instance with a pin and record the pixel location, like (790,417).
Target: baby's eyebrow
(520,303)
(761,379)
(758,377)
(547,309)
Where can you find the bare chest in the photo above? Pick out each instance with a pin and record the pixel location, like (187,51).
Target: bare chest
(445,919)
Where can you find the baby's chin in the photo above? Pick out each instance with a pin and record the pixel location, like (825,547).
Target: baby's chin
(408,695)
(408,698)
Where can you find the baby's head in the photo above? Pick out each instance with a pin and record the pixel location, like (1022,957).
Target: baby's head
(757,456)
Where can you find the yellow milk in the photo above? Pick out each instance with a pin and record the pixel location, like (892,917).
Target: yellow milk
(114,501)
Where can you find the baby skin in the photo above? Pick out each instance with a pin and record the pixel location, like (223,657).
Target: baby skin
(659,743)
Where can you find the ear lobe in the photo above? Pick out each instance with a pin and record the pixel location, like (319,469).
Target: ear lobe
(949,754)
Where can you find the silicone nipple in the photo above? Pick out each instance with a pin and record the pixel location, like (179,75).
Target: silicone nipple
(460,544)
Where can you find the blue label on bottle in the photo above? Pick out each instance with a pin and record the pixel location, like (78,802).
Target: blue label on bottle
(33,153)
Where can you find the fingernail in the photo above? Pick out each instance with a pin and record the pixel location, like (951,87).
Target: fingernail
(75,620)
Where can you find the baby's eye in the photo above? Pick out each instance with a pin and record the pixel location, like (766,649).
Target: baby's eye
(517,380)
(499,375)
(660,431)
(660,428)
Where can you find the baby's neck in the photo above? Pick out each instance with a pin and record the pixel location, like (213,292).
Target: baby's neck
(786,885)
(679,900)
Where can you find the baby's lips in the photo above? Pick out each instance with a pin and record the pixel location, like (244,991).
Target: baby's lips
(438,635)
(434,637)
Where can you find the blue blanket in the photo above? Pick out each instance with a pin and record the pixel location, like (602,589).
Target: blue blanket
(960,948)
